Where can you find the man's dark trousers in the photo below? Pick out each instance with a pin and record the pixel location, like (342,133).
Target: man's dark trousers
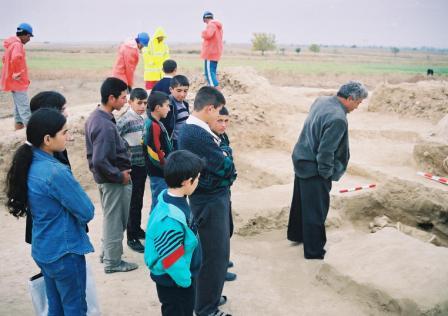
(211,212)
(138,177)
(309,209)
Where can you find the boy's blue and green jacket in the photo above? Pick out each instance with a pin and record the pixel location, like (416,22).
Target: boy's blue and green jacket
(172,251)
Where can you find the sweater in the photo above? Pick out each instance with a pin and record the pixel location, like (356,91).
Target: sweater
(172,251)
(323,147)
(106,152)
(163,85)
(156,146)
(219,171)
(130,126)
(170,121)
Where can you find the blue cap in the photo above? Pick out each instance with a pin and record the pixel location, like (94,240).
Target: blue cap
(143,38)
(207,15)
(25,27)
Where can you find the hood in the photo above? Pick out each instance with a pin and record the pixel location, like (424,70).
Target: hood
(130,43)
(160,32)
(11,40)
(217,24)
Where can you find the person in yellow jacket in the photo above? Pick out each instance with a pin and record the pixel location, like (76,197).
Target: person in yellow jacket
(154,55)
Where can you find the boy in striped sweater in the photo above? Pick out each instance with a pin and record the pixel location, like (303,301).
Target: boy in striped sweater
(172,252)
(130,127)
(210,202)
(156,143)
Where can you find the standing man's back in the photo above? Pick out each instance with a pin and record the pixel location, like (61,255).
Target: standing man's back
(320,156)
(110,164)
(127,59)
(15,73)
(211,47)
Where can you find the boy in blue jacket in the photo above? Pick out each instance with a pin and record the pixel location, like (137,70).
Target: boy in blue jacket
(172,252)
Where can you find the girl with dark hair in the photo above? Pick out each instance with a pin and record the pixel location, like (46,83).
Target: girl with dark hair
(40,186)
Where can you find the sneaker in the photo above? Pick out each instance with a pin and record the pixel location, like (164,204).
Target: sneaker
(230,276)
(230,265)
(141,234)
(136,245)
(122,267)
(219,313)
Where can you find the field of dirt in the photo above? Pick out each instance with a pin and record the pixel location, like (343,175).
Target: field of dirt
(393,266)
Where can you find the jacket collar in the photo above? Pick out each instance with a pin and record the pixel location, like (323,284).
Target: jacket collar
(198,122)
(172,210)
(42,155)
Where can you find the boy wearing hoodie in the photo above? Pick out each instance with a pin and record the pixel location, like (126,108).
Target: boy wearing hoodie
(211,48)
(127,59)
(172,251)
(15,73)
(154,56)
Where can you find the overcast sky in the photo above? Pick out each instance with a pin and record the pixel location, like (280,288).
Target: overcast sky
(412,23)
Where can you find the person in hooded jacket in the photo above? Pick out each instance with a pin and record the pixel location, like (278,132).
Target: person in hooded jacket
(127,59)
(211,48)
(14,76)
(154,56)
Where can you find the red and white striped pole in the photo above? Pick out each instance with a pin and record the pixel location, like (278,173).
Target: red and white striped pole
(357,188)
(430,176)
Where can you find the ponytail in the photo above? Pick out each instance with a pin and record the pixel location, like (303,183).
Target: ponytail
(42,122)
(16,181)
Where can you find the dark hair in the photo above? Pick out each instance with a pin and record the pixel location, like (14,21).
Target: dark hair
(49,100)
(112,86)
(223,111)
(139,94)
(22,32)
(169,66)
(179,81)
(208,96)
(181,165)
(156,98)
(42,122)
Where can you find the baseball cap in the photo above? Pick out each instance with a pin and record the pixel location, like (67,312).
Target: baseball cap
(207,15)
(25,27)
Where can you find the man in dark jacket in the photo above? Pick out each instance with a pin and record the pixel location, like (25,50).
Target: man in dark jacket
(110,164)
(320,156)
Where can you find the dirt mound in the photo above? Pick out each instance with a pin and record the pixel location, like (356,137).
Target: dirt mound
(442,128)
(265,222)
(402,201)
(425,99)
(430,157)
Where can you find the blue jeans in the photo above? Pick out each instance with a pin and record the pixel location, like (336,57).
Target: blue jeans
(210,72)
(65,283)
(158,184)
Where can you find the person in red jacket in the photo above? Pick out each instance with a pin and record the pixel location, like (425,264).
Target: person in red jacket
(127,59)
(211,47)
(15,73)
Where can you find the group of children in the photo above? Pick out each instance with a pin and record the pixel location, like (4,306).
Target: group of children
(184,154)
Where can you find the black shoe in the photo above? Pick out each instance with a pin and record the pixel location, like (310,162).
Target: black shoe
(222,300)
(141,234)
(136,245)
(230,265)
(230,276)
(318,257)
